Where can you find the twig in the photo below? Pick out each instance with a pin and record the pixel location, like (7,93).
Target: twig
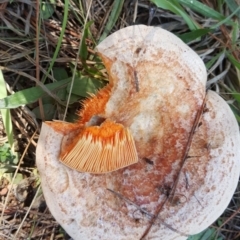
(189,142)
(237,211)
(14,176)
(154,218)
(185,156)
(146,212)
(23,220)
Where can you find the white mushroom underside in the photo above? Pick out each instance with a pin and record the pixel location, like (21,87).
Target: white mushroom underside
(84,207)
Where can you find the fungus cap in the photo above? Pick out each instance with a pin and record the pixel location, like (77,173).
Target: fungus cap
(156,92)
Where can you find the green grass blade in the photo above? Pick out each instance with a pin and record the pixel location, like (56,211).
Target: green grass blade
(214,59)
(235,32)
(47,9)
(232,5)
(116,10)
(6,116)
(236,95)
(176,8)
(83,86)
(203,9)
(233,61)
(208,234)
(188,37)
(29,95)
(226,20)
(64,24)
(83,47)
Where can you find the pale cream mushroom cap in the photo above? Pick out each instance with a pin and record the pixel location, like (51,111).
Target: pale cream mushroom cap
(160,116)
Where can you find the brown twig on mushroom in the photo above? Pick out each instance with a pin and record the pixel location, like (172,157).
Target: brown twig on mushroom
(188,145)
(147,213)
(171,196)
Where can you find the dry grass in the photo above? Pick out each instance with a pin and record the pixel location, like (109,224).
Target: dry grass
(29,56)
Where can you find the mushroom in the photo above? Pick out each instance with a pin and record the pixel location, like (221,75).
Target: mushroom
(172,161)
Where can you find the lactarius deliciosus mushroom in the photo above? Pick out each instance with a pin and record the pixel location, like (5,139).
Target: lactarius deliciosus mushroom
(152,156)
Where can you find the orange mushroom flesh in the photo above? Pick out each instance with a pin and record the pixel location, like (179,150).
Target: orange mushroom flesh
(100,149)
(99,145)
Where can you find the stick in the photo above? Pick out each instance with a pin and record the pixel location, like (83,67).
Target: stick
(146,212)
(185,156)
